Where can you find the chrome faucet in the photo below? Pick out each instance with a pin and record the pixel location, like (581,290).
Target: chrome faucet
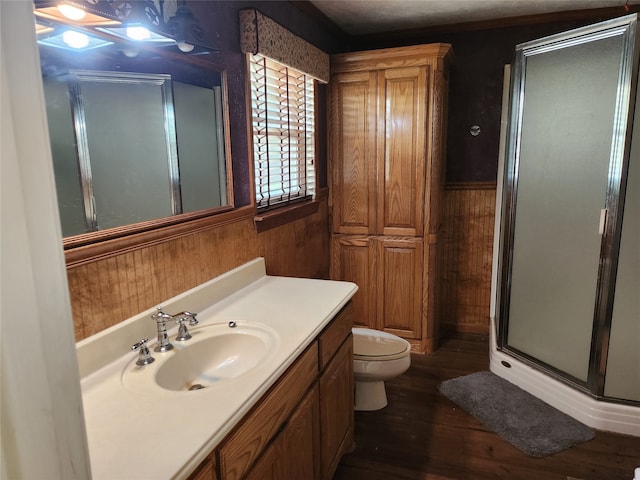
(183,333)
(161,318)
(144,356)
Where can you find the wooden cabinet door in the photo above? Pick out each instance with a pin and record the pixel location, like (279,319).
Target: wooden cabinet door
(401,181)
(336,409)
(206,470)
(293,453)
(245,444)
(302,440)
(399,286)
(270,464)
(353,152)
(353,260)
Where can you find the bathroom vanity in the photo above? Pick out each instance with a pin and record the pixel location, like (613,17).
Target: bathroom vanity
(290,415)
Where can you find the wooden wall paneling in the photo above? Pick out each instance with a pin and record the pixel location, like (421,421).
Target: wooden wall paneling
(106,291)
(129,288)
(431,295)
(120,303)
(192,275)
(437,143)
(91,297)
(75,282)
(162,263)
(144,283)
(465,267)
(208,259)
(299,248)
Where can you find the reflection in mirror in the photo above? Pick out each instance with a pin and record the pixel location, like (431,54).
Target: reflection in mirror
(136,135)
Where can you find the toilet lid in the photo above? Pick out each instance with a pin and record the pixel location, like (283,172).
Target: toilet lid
(375,343)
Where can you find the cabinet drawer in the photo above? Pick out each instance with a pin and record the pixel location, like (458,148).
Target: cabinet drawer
(246,443)
(334,334)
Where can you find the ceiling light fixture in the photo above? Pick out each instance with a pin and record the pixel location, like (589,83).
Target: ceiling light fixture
(75,39)
(185,29)
(138,33)
(72,40)
(84,13)
(138,20)
(72,12)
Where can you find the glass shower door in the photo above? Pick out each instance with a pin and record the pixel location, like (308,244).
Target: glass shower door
(568,122)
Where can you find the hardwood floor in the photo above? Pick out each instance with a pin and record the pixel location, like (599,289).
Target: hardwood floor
(423,435)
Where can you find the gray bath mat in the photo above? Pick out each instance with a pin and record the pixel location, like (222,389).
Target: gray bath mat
(525,421)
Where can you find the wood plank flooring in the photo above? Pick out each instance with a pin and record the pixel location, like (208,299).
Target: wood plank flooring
(423,435)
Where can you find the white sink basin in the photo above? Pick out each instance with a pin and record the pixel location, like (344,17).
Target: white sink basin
(215,354)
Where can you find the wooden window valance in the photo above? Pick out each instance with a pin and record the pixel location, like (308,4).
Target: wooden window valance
(260,34)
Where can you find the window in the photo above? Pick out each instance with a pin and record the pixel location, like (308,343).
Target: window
(283,121)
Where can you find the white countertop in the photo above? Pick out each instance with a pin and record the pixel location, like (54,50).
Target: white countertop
(161,434)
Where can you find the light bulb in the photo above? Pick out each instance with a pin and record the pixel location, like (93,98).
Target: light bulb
(131,52)
(138,33)
(75,39)
(185,47)
(71,12)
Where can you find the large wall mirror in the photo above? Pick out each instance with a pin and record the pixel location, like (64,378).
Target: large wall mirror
(139,136)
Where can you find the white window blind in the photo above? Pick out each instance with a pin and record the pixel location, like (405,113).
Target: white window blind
(283,121)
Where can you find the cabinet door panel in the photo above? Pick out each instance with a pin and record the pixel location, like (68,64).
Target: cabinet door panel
(353,261)
(244,445)
(400,286)
(270,465)
(302,440)
(336,408)
(402,177)
(206,470)
(352,150)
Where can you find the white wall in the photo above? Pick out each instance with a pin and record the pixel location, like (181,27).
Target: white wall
(43,433)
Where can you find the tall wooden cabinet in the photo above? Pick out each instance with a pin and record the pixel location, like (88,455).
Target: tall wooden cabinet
(387,112)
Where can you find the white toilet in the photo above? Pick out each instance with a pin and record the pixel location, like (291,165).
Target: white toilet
(377,356)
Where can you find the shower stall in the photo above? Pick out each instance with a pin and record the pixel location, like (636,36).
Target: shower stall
(566,271)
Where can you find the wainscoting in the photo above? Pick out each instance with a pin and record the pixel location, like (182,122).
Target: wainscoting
(467,246)
(109,290)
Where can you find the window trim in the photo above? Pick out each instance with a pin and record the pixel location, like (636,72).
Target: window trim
(266,220)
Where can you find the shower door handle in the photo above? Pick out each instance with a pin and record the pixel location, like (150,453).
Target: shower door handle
(603,221)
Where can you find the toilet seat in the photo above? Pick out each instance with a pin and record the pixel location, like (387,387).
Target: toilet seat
(375,345)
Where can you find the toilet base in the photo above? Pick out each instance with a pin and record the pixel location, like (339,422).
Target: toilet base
(370,396)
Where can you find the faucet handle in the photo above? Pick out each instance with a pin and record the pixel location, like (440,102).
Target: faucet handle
(144,355)
(160,316)
(182,316)
(183,332)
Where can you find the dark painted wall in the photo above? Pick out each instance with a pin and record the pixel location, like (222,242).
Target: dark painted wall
(475,95)
(220,20)
(475,85)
